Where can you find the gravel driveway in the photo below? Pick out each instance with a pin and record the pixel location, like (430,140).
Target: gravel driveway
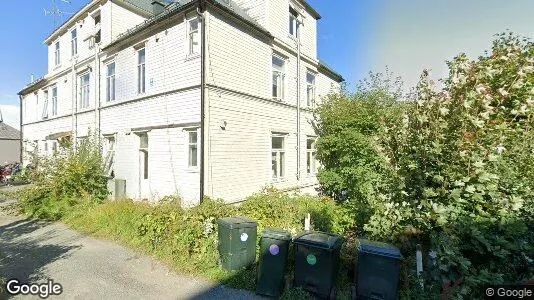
(36,251)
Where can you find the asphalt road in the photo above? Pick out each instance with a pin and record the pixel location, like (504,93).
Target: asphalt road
(35,251)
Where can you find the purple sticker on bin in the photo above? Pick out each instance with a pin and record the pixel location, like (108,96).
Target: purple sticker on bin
(274,249)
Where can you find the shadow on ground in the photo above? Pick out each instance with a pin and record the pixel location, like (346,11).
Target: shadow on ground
(23,254)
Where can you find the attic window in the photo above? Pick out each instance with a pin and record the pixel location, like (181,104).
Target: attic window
(293,22)
(96,18)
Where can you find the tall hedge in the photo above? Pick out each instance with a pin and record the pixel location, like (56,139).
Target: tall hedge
(452,170)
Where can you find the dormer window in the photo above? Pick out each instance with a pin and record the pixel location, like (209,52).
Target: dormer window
(96,18)
(293,22)
(74,42)
(57,58)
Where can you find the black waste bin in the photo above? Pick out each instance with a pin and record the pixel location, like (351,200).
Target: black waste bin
(317,262)
(377,271)
(237,242)
(274,248)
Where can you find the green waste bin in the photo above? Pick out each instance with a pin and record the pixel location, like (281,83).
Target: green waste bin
(317,262)
(237,242)
(274,248)
(377,271)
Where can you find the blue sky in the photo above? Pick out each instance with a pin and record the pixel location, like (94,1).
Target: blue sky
(355,36)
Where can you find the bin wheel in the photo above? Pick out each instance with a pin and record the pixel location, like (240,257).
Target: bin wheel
(333,294)
(353,294)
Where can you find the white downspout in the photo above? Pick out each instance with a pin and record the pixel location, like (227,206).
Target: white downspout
(97,93)
(298,98)
(74,109)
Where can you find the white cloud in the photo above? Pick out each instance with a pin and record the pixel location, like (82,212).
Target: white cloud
(11,115)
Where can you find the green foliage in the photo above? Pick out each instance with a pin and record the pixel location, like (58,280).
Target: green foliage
(451,170)
(69,178)
(187,238)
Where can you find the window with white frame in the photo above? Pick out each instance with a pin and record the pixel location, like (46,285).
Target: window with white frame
(278,77)
(192,149)
(37,105)
(44,113)
(110,82)
(143,147)
(54,101)
(84,90)
(311,156)
(193,33)
(278,156)
(109,154)
(141,71)
(310,89)
(57,58)
(97,26)
(74,42)
(293,22)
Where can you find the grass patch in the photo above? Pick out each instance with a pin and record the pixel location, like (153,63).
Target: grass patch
(186,239)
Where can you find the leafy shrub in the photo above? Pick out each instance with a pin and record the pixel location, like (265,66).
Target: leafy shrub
(452,170)
(69,178)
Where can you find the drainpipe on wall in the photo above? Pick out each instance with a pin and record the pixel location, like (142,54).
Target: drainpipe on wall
(200,13)
(97,94)
(74,109)
(298,100)
(20,123)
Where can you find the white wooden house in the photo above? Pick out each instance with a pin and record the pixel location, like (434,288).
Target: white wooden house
(190,98)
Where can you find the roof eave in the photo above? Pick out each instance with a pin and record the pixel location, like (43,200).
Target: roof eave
(143,27)
(247,22)
(330,72)
(310,9)
(87,8)
(32,86)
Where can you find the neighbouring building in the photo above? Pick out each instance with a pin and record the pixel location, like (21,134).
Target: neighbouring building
(190,98)
(9,143)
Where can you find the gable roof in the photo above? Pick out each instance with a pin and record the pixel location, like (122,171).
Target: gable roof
(178,6)
(8,133)
(145,5)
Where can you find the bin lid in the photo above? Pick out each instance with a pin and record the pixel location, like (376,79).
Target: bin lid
(277,234)
(237,222)
(318,239)
(378,248)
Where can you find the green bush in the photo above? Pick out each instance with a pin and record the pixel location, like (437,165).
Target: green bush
(451,170)
(187,238)
(71,177)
